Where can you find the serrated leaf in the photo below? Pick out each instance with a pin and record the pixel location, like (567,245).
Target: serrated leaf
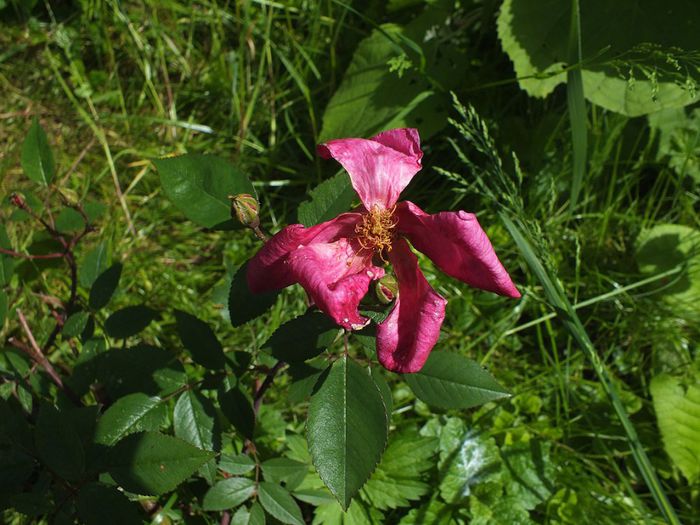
(194,421)
(372,98)
(15,467)
(279,503)
(228,494)
(93,264)
(399,476)
(75,324)
(151,463)
(104,286)
(236,465)
(677,406)
(199,339)
(128,415)
(664,247)
(238,410)
(158,371)
(199,185)
(129,321)
(284,470)
(3,308)
(244,305)
(449,380)
(327,200)
(37,158)
(304,378)
(58,443)
(96,501)
(346,428)
(302,338)
(254,516)
(69,221)
(6,262)
(536,37)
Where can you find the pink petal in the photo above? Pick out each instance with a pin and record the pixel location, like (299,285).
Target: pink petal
(380,167)
(458,245)
(409,333)
(268,270)
(336,278)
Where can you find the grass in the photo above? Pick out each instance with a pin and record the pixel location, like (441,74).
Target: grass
(118,83)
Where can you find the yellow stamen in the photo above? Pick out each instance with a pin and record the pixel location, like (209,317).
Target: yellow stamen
(375,232)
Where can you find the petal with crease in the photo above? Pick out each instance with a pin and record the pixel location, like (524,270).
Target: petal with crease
(336,278)
(409,333)
(268,270)
(380,167)
(457,245)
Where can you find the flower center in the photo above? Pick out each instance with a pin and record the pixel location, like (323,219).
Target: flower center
(375,232)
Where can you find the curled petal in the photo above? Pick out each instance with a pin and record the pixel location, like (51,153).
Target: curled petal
(380,167)
(409,333)
(458,245)
(336,278)
(268,270)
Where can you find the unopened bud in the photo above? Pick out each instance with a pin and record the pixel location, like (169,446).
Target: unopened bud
(17,200)
(387,288)
(244,207)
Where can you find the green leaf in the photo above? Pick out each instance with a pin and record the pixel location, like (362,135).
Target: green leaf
(104,286)
(677,406)
(6,262)
(279,503)
(158,371)
(3,308)
(93,264)
(665,247)
(244,305)
(15,467)
(254,516)
(236,465)
(194,421)
(228,494)
(679,140)
(302,338)
(400,477)
(346,428)
(75,324)
(151,463)
(200,341)
(284,470)
(371,98)
(37,159)
(129,321)
(128,415)
(304,378)
(238,410)
(450,380)
(97,501)
(199,185)
(69,221)
(536,38)
(58,443)
(327,200)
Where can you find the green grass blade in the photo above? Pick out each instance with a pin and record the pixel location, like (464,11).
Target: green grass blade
(577,106)
(557,298)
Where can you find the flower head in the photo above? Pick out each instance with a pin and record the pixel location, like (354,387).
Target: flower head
(336,261)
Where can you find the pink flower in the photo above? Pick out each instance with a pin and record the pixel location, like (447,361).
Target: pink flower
(337,260)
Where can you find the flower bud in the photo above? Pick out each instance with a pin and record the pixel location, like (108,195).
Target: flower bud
(244,207)
(17,200)
(387,289)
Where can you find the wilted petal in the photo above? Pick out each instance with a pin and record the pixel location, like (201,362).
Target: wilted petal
(268,270)
(409,333)
(335,277)
(458,245)
(380,167)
